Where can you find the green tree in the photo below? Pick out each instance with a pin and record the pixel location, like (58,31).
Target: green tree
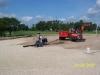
(41,25)
(23,27)
(48,25)
(33,28)
(8,24)
(3,27)
(12,24)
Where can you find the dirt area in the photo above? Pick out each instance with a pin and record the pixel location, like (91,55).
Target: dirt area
(60,57)
(92,41)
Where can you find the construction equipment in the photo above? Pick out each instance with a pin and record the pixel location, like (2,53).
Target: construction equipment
(74,35)
(39,43)
(64,34)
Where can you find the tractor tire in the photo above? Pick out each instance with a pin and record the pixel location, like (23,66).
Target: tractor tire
(70,38)
(60,38)
(63,38)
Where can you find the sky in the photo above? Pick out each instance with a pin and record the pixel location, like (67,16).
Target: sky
(32,11)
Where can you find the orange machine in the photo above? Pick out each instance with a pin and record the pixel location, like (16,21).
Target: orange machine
(77,34)
(82,27)
(74,35)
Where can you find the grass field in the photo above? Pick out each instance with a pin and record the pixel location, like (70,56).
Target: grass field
(91,32)
(22,33)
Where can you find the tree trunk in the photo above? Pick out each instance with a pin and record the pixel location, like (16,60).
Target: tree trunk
(10,33)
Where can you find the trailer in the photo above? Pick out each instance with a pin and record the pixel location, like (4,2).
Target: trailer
(64,34)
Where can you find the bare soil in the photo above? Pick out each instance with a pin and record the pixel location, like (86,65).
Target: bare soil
(91,40)
(60,57)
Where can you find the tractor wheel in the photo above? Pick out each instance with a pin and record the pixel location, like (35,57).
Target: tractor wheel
(77,40)
(60,38)
(70,38)
(63,38)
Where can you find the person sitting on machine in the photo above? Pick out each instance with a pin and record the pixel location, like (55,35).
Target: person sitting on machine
(38,40)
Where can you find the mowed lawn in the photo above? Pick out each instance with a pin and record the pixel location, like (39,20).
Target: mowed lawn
(22,33)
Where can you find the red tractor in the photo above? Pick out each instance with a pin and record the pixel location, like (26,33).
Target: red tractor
(74,35)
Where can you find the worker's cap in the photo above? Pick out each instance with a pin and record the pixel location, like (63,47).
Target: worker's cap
(38,32)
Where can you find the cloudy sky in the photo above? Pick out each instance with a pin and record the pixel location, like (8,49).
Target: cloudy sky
(33,11)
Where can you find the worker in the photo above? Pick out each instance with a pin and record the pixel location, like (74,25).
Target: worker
(38,40)
(38,36)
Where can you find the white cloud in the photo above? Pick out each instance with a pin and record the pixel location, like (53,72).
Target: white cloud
(85,18)
(49,18)
(40,16)
(71,18)
(27,18)
(93,13)
(7,15)
(43,18)
(62,19)
(94,10)
(98,2)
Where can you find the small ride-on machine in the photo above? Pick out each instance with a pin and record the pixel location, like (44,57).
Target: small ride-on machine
(74,35)
(77,35)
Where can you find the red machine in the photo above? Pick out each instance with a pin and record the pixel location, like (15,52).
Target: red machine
(64,34)
(74,35)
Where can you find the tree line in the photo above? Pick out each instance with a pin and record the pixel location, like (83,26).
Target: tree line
(56,25)
(12,24)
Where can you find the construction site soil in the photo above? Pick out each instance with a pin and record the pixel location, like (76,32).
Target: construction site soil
(59,57)
(92,41)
